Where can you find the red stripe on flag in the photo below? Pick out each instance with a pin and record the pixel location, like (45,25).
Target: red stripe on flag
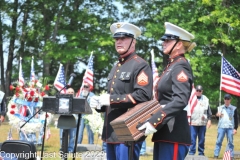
(230,78)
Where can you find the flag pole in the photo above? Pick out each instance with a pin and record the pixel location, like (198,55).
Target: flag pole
(220,81)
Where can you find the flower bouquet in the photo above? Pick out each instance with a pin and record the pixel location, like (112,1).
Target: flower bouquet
(26,101)
(95,120)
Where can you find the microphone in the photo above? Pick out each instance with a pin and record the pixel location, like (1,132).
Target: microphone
(72,76)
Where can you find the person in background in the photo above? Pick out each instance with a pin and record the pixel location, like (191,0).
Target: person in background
(169,124)
(227,125)
(200,121)
(130,82)
(71,132)
(85,93)
(3,108)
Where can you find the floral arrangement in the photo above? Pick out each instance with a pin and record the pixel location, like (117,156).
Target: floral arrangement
(95,120)
(26,101)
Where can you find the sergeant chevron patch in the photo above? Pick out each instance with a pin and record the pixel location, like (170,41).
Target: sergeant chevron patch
(142,79)
(182,77)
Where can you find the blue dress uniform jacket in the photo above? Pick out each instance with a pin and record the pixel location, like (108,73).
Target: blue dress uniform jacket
(173,90)
(130,82)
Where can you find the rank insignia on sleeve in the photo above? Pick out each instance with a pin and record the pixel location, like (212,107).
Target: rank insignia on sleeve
(182,77)
(142,79)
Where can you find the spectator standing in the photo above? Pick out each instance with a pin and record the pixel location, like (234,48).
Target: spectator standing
(85,93)
(200,121)
(227,125)
(71,132)
(3,108)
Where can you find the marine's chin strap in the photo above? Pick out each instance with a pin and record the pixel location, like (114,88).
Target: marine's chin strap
(173,47)
(123,55)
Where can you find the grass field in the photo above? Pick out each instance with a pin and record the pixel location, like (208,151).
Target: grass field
(52,145)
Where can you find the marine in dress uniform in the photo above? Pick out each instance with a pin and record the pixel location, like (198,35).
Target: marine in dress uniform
(129,83)
(170,124)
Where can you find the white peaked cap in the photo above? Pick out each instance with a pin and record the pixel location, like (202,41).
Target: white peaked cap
(125,29)
(177,31)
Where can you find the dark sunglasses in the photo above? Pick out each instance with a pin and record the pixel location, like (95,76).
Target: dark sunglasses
(199,90)
(227,98)
(85,86)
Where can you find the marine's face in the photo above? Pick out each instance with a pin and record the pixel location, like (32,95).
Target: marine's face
(122,44)
(167,46)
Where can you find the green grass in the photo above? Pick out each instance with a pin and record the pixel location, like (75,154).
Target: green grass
(52,145)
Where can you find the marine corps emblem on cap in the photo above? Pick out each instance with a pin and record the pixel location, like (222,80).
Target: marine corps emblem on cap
(118,25)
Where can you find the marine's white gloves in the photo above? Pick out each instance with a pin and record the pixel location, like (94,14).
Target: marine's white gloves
(94,102)
(149,128)
(104,100)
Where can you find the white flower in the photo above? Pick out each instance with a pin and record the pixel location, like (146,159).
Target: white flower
(95,121)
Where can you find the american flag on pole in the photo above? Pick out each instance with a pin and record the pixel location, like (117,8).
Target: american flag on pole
(154,72)
(60,82)
(227,155)
(192,103)
(88,75)
(9,137)
(20,75)
(230,78)
(32,75)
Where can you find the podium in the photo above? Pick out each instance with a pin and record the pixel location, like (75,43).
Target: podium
(66,105)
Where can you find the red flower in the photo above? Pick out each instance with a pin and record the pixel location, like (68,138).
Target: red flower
(12,112)
(36,99)
(32,93)
(11,87)
(17,94)
(26,95)
(42,94)
(13,106)
(29,99)
(46,87)
(17,89)
(25,90)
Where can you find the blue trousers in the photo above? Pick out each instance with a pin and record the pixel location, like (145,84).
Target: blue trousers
(104,146)
(169,151)
(197,132)
(220,136)
(143,148)
(120,151)
(89,132)
(71,138)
